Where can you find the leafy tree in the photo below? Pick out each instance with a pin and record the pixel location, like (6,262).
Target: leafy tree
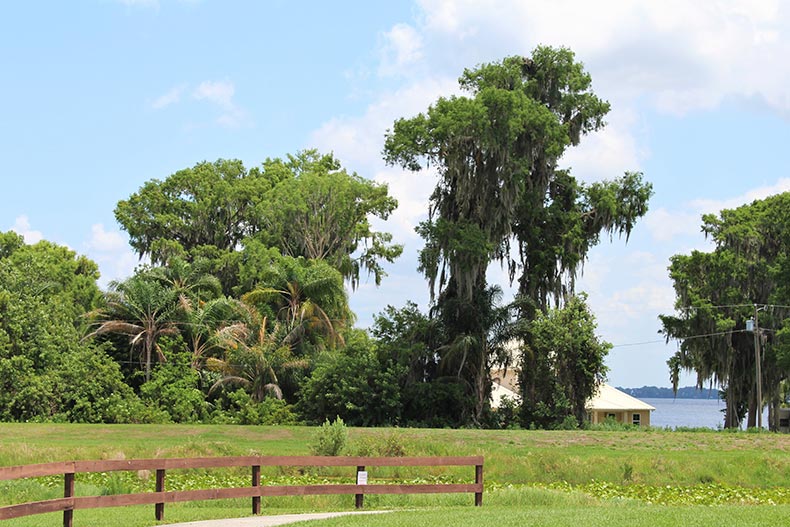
(322,213)
(497,152)
(353,384)
(202,323)
(173,391)
(305,205)
(47,372)
(210,204)
(479,330)
(408,338)
(189,282)
(501,195)
(413,345)
(563,363)
(717,291)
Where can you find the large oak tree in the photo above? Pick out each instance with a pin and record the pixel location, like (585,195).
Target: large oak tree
(501,194)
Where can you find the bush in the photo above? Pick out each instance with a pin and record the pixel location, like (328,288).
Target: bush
(241,409)
(173,388)
(331,438)
(569,423)
(354,384)
(380,445)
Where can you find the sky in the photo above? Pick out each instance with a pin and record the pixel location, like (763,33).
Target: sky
(99,96)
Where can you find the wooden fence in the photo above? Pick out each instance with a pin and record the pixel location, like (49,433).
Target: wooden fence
(69,469)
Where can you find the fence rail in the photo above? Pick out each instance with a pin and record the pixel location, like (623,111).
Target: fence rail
(69,469)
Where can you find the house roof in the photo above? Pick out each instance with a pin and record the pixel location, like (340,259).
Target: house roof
(610,398)
(498,391)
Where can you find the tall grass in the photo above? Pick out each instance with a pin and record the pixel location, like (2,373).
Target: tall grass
(520,468)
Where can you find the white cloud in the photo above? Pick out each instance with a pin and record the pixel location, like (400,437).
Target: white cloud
(111,251)
(22,227)
(666,225)
(681,55)
(105,241)
(401,50)
(221,93)
(218,92)
(608,153)
(173,96)
(714,206)
(359,141)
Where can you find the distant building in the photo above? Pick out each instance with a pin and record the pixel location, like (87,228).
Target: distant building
(504,383)
(610,402)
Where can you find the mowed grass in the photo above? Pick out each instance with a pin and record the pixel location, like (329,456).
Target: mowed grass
(515,462)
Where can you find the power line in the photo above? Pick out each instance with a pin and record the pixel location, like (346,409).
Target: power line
(681,338)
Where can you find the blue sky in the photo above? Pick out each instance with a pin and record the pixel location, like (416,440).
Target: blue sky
(98,96)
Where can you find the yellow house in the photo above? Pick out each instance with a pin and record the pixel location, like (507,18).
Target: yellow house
(610,402)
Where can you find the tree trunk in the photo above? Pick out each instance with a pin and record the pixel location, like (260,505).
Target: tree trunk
(751,421)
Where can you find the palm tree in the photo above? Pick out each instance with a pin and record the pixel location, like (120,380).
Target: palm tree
(187,280)
(144,310)
(307,297)
(253,356)
(203,323)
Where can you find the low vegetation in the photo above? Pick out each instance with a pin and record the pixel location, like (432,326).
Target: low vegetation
(540,473)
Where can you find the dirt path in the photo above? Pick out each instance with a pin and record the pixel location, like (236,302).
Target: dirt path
(268,521)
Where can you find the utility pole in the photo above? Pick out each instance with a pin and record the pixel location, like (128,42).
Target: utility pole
(758,369)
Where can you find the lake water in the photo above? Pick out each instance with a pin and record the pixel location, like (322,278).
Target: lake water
(696,413)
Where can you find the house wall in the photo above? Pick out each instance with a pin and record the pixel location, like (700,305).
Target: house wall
(621,416)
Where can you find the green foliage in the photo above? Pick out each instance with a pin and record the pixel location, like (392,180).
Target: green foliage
(143,309)
(718,291)
(330,438)
(90,388)
(705,494)
(322,213)
(354,384)
(240,408)
(305,205)
(562,365)
(497,150)
(385,444)
(256,355)
(47,371)
(501,193)
(306,296)
(174,390)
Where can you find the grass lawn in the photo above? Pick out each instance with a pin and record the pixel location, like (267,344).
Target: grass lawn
(532,477)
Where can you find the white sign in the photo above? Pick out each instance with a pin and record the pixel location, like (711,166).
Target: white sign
(362,477)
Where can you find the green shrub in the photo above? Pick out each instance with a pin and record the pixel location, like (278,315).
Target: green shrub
(389,444)
(331,438)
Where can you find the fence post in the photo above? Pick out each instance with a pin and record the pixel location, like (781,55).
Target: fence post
(359,498)
(256,482)
(478,481)
(159,509)
(68,492)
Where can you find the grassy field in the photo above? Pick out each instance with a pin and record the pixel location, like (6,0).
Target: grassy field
(535,477)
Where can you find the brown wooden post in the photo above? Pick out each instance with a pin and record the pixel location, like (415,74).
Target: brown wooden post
(256,482)
(159,508)
(359,498)
(68,492)
(478,481)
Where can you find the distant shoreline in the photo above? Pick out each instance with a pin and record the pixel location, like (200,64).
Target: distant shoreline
(655,392)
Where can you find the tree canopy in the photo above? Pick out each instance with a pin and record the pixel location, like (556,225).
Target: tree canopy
(497,151)
(501,195)
(305,205)
(718,291)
